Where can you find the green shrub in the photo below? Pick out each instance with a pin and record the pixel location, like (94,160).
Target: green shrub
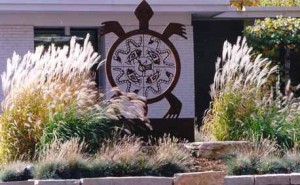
(240,4)
(89,128)
(287,3)
(266,36)
(16,171)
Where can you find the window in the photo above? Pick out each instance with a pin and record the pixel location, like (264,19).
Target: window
(47,36)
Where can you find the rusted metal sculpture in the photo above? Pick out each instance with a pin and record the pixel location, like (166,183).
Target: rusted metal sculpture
(144,61)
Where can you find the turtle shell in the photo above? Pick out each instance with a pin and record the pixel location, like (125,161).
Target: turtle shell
(144,62)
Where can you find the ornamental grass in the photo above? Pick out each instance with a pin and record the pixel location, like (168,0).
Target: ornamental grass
(51,92)
(246,102)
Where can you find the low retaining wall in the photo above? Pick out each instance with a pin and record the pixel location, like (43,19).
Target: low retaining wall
(199,178)
(271,179)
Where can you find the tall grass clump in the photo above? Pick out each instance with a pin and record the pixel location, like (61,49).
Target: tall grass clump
(127,156)
(247,159)
(63,160)
(264,157)
(39,85)
(52,95)
(238,83)
(245,102)
(170,157)
(120,155)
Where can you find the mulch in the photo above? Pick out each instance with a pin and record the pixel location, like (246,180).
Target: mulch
(202,164)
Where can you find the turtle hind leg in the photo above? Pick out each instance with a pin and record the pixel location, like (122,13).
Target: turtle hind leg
(175,107)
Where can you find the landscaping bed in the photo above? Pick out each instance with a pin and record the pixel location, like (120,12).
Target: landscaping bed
(203,164)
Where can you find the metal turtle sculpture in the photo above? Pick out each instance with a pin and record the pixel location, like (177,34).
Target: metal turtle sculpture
(144,61)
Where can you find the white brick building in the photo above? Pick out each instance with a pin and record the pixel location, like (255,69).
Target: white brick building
(22,20)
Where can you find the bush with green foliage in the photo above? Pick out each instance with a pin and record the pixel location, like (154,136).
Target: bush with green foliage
(240,4)
(90,127)
(286,3)
(266,36)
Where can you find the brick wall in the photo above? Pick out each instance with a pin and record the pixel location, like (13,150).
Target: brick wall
(14,38)
(184,89)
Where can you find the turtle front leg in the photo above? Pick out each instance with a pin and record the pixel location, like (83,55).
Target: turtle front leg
(175,107)
(112,26)
(175,28)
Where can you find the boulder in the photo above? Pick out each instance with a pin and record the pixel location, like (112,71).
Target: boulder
(214,149)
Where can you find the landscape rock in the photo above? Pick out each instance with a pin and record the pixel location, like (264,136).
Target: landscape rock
(214,149)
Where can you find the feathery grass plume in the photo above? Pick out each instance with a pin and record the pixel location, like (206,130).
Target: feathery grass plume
(238,84)
(170,157)
(39,85)
(120,156)
(243,103)
(120,148)
(126,156)
(52,70)
(63,160)
(235,71)
(248,159)
(48,84)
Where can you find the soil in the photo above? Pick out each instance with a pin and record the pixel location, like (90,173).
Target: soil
(202,165)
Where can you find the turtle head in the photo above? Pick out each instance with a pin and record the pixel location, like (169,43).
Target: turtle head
(144,13)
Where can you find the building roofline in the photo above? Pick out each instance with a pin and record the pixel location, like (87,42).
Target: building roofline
(180,6)
(114,2)
(261,12)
